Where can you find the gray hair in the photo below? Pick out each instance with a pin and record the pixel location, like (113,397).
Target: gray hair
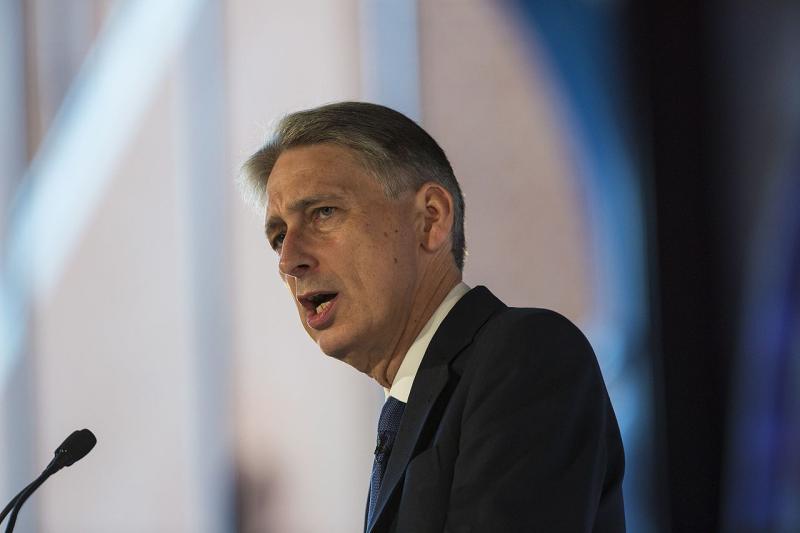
(396,151)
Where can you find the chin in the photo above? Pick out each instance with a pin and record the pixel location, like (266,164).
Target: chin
(342,349)
(332,347)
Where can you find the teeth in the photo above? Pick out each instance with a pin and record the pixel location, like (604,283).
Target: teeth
(323,306)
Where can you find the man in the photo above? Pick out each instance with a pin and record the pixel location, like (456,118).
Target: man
(496,419)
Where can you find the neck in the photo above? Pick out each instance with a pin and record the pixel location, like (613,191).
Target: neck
(430,296)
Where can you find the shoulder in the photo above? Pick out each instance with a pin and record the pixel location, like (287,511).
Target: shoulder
(529,334)
(531,349)
(538,443)
(519,321)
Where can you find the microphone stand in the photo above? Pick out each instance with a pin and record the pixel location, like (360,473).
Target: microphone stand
(73,449)
(10,505)
(23,496)
(7,508)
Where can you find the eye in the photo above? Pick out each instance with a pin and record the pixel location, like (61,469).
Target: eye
(277,241)
(325,212)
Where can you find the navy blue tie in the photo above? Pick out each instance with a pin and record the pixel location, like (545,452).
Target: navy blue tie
(388,425)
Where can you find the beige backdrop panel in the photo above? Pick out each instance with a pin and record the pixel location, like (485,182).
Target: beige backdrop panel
(305,422)
(493,106)
(113,354)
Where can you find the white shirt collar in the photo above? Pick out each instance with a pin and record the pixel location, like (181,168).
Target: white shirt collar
(401,387)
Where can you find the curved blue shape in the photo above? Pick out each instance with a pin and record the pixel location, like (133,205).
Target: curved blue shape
(581,40)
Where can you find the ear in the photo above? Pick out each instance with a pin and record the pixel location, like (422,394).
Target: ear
(435,209)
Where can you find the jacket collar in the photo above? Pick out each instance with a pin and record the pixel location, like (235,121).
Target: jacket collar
(454,334)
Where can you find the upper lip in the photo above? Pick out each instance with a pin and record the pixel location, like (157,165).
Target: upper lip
(306,299)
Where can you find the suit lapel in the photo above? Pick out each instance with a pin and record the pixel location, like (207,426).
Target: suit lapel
(454,334)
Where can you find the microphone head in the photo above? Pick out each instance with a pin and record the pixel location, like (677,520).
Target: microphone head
(75,447)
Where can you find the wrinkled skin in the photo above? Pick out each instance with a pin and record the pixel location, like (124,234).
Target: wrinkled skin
(388,260)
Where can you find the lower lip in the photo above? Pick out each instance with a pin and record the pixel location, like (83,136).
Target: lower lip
(322,320)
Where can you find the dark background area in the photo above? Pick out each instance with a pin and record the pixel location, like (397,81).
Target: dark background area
(719,83)
(694,295)
(704,97)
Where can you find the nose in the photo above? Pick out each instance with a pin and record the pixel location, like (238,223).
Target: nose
(296,257)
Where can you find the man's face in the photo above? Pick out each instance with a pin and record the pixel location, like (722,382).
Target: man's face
(348,254)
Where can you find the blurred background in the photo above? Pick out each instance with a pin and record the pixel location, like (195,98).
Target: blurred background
(634,165)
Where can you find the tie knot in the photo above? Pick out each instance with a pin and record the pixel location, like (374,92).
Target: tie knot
(391,414)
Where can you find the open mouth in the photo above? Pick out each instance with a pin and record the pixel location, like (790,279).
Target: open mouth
(320,302)
(317,302)
(319,308)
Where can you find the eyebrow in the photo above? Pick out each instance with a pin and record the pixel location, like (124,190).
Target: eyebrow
(298,206)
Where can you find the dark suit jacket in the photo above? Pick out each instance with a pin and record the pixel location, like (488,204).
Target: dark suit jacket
(508,428)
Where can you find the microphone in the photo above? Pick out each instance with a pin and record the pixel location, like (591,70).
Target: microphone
(73,449)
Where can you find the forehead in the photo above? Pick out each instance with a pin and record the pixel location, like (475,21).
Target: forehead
(317,170)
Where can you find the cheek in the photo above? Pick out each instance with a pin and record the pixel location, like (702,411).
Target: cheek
(379,258)
(391,264)
(400,252)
